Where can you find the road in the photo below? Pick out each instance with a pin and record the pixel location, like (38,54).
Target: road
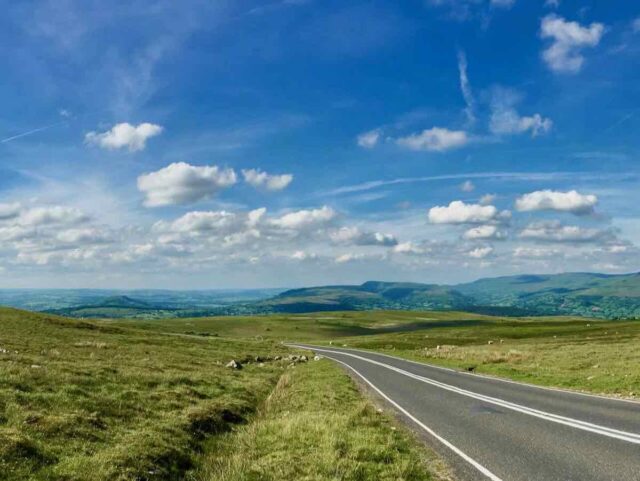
(497,429)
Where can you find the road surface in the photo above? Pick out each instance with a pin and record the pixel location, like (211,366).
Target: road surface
(496,429)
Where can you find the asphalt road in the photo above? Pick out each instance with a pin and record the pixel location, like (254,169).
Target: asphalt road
(501,430)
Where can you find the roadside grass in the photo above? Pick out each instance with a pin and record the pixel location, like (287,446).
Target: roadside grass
(316,426)
(88,401)
(585,355)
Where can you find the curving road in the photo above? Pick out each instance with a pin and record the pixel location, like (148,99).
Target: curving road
(497,429)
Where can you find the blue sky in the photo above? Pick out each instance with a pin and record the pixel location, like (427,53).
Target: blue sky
(205,144)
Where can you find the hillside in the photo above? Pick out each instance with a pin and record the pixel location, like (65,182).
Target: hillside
(587,294)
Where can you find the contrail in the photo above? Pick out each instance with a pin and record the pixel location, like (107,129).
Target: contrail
(24,134)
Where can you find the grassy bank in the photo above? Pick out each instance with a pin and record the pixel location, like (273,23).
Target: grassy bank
(86,401)
(316,426)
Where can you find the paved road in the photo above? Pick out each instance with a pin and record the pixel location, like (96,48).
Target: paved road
(501,430)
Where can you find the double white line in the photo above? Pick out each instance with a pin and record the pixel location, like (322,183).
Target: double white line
(575,423)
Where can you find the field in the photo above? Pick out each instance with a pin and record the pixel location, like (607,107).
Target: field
(571,352)
(153,400)
(87,401)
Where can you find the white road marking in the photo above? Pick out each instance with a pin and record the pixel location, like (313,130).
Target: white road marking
(575,423)
(453,448)
(495,378)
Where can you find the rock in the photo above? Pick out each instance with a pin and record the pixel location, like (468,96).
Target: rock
(303,359)
(331,343)
(490,342)
(36,366)
(233,364)
(259,359)
(277,358)
(501,341)
(316,358)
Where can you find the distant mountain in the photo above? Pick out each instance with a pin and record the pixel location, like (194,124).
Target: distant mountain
(586,294)
(370,295)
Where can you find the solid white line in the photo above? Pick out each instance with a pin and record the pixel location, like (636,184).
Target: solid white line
(575,423)
(455,449)
(495,378)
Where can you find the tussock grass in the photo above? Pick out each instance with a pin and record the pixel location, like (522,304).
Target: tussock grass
(87,401)
(316,426)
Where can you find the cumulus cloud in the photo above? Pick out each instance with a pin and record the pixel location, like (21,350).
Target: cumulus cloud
(436,139)
(305,218)
(483,232)
(487,199)
(480,252)
(133,137)
(262,180)
(568,39)
(572,201)
(409,248)
(9,211)
(535,252)
(349,257)
(457,212)
(370,139)
(505,119)
(182,183)
(354,236)
(465,87)
(554,231)
(37,216)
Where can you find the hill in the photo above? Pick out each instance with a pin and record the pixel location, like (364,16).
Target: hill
(586,294)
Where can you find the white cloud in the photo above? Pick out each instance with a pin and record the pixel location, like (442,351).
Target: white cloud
(552,3)
(354,236)
(505,119)
(90,235)
(37,216)
(409,248)
(467,186)
(9,211)
(483,232)
(572,201)
(435,139)
(465,87)
(349,257)
(369,140)
(635,25)
(535,252)
(554,231)
(203,221)
(181,183)
(480,252)
(262,180)
(125,135)
(487,199)
(305,218)
(568,39)
(457,212)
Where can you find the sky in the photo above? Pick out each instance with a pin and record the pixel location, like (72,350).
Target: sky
(283,143)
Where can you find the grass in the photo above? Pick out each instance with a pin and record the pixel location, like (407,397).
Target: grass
(153,400)
(316,426)
(87,401)
(570,352)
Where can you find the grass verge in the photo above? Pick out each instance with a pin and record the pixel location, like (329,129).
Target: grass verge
(316,426)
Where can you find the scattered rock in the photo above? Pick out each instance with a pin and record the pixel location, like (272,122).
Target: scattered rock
(316,358)
(490,342)
(501,341)
(259,359)
(303,359)
(331,343)
(277,358)
(233,364)
(36,366)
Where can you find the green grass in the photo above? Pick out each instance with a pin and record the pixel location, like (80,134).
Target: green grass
(316,426)
(87,401)
(571,352)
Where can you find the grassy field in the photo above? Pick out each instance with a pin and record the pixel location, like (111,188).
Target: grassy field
(91,400)
(83,401)
(571,352)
